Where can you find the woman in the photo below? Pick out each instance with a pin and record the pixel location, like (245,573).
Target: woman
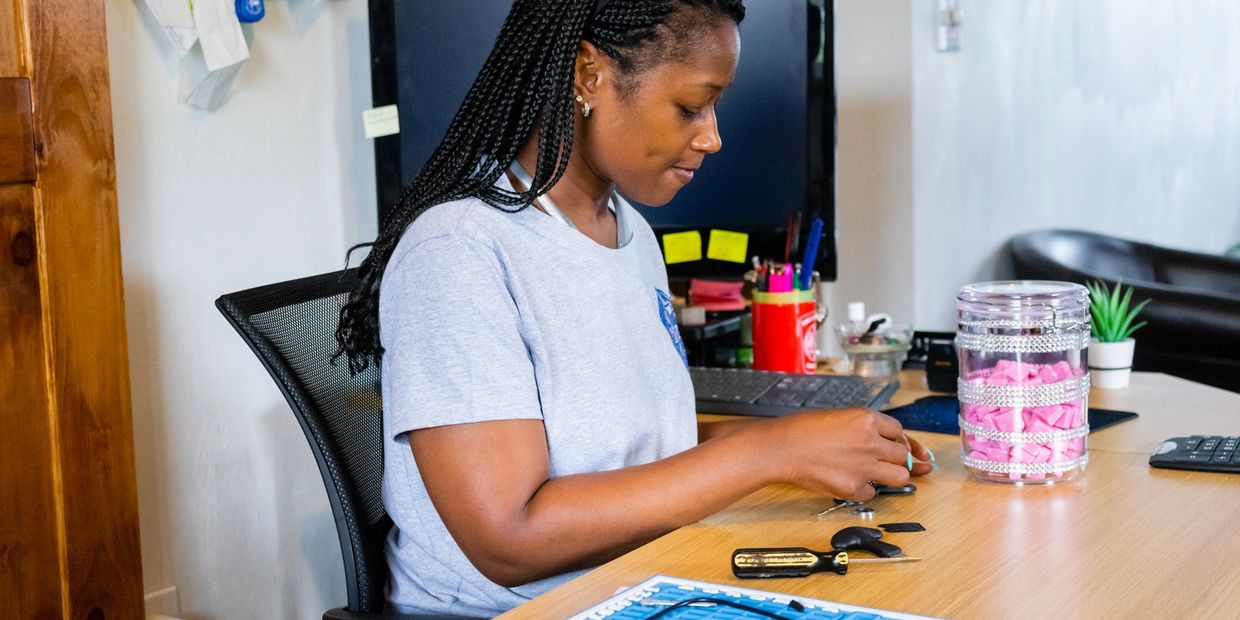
(538,412)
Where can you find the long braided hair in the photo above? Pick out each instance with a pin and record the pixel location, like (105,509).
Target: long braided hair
(525,85)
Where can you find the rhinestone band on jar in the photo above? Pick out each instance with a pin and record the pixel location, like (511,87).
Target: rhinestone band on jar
(1023,395)
(1024,468)
(1022,438)
(1053,323)
(1045,343)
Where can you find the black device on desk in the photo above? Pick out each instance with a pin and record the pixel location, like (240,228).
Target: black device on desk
(1199,453)
(935,352)
(740,391)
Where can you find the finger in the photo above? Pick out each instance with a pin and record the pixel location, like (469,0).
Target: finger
(890,475)
(926,461)
(895,452)
(863,493)
(889,427)
(920,452)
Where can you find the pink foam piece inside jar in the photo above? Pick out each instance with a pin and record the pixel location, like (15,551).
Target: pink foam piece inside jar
(1063,416)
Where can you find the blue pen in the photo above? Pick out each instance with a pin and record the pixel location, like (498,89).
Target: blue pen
(811,253)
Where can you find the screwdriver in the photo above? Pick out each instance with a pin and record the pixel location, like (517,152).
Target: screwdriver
(783,562)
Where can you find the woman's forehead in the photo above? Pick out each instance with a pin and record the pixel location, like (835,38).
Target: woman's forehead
(708,62)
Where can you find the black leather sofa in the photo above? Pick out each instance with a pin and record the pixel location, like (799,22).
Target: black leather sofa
(1194,318)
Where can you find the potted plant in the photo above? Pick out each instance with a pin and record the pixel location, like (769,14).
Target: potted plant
(1112,344)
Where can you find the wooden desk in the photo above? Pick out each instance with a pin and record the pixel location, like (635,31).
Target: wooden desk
(1122,541)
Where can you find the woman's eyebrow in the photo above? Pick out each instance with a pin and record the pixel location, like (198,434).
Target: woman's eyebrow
(715,86)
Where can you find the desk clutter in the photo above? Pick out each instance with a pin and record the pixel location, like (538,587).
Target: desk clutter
(671,597)
(873,345)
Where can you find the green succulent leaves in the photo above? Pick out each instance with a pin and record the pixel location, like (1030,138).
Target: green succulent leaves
(1111,311)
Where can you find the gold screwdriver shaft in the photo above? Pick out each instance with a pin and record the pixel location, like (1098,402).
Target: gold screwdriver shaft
(853,560)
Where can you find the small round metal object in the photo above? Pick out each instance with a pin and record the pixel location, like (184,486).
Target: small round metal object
(864,511)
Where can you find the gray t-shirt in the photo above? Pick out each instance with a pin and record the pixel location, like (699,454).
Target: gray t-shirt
(486,315)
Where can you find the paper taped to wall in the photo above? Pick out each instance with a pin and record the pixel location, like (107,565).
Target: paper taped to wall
(175,17)
(219,33)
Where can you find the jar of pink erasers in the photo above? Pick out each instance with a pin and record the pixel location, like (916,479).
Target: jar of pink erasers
(1024,380)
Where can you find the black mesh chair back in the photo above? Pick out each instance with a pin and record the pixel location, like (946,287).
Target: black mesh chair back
(291,327)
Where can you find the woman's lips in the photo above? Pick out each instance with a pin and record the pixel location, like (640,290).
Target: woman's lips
(684,175)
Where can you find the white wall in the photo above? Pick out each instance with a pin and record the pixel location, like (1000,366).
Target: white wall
(274,185)
(1104,115)
(874,175)
(1109,115)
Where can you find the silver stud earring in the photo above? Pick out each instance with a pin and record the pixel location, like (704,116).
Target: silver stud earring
(585,106)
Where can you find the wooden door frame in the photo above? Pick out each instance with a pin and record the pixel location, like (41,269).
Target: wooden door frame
(70,467)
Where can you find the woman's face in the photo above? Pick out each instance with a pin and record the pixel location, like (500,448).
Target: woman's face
(651,138)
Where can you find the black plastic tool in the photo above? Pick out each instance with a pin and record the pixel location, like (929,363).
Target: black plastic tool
(910,526)
(784,562)
(882,489)
(864,539)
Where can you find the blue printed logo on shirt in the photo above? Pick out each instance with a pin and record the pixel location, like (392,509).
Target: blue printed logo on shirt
(668,315)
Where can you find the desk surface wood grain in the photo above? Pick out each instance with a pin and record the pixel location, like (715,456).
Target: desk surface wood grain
(1123,540)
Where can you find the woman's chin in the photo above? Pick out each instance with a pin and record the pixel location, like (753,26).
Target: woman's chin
(656,197)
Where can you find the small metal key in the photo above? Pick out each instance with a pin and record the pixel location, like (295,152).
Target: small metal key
(839,503)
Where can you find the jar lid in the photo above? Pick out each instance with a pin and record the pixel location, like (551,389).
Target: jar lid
(1025,298)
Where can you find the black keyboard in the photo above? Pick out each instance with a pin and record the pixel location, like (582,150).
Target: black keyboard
(760,393)
(1199,453)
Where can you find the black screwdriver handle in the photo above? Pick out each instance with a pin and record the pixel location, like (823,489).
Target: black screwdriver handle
(784,562)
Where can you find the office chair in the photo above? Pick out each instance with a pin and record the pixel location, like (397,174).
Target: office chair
(291,327)
(1194,315)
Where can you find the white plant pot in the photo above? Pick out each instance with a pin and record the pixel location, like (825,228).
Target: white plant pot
(1110,363)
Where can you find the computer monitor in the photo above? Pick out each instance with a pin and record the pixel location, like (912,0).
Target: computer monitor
(777,121)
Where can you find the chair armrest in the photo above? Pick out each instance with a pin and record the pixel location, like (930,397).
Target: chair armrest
(1196,271)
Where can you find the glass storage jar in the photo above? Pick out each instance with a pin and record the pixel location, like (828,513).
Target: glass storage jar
(1024,380)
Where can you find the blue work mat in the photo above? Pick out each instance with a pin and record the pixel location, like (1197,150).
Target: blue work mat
(660,592)
(938,414)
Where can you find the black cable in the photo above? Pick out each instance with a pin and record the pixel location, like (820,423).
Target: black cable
(721,601)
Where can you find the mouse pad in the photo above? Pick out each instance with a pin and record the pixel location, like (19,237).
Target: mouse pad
(937,414)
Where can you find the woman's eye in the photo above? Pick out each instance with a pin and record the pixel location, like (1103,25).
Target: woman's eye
(689,113)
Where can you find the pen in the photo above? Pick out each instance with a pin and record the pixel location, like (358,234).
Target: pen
(811,252)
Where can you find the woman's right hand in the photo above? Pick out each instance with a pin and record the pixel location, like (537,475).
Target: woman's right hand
(837,452)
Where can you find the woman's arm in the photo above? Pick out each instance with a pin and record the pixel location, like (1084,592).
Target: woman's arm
(490,483)
(711,430)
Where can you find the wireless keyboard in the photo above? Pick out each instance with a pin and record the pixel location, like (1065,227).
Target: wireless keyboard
(739,391)
(1199,453)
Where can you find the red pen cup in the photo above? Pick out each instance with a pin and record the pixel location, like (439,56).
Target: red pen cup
(784,329)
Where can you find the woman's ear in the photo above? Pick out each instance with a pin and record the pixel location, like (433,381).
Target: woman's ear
(592,69)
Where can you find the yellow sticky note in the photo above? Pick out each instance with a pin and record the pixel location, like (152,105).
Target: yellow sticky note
(728,245)
(682,247)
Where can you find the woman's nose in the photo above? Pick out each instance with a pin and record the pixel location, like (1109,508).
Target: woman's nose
(708,141)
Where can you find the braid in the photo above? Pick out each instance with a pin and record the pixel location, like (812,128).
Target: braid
(525,83)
